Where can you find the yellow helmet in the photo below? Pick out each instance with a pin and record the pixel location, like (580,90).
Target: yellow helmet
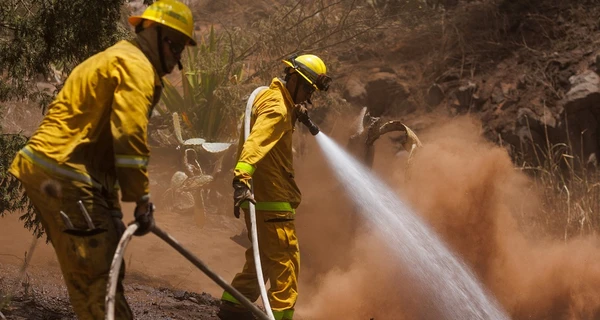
(311,68)
(170,13)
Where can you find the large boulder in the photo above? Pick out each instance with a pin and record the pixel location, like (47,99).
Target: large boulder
(355,92)
(435,95)
(584,92)
(385,93)
(581,112)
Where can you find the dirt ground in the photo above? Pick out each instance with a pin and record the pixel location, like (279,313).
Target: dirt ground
(160,284)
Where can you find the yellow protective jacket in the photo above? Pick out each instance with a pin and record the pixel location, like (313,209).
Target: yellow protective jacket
(95,130)
(266,156)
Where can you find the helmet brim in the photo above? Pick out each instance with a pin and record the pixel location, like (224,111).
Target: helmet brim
(134,20)
(310,82)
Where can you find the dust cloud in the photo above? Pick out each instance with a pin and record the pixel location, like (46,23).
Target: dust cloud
(470,193)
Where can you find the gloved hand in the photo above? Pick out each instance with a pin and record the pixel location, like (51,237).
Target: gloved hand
(144,216)
(302,115)
(301,112)
(117,219)
(241,193)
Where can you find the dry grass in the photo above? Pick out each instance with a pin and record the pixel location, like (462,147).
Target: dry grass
(569,189)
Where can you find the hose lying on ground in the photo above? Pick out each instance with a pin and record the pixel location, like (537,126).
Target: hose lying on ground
(115,267)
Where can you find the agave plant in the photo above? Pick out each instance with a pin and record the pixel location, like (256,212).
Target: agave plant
(205,109)
(210,70)
(191,184)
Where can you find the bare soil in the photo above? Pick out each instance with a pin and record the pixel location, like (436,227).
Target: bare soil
(160,284)
(41,295)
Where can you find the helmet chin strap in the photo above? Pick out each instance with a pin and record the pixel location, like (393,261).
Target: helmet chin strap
(161,53)
(296,89)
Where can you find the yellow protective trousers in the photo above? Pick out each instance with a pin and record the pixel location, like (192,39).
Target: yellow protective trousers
(84,255)
(280,258)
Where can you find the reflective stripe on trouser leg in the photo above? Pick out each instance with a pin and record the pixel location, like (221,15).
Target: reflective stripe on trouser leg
(229,297)
(84,259)
(280,259)
(288,314)
(283,314)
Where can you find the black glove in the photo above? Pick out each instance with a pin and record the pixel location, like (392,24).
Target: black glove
(117,219)
(241,193)
(302,116)
(144,216)
(301,112)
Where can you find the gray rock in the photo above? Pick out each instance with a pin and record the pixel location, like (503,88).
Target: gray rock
(435,95)
(497,95)
(355,92)
(464,95)
(180,295)
(384,90)
(584,92)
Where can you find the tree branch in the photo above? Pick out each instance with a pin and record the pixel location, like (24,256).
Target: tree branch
(3,25)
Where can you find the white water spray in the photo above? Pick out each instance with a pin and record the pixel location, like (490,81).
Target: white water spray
(453,288)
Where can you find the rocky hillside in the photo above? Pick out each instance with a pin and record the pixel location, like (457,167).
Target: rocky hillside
(527,69)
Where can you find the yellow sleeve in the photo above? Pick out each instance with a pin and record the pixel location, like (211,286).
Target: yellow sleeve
(132,102)
(112,199)
(269,126)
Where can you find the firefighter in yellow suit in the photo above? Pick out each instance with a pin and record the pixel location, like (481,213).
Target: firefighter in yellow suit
(265,160)
(93,142)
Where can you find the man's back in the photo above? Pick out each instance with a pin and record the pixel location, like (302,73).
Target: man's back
(76,131)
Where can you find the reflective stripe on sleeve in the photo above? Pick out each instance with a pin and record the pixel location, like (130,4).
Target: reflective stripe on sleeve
(245,167)
(271,206)
(128,161)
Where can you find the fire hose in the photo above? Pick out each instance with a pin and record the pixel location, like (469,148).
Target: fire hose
(254,231)
(314,130)
(115,267)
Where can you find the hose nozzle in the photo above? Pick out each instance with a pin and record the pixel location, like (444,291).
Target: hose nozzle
(312,127)
(302,114)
